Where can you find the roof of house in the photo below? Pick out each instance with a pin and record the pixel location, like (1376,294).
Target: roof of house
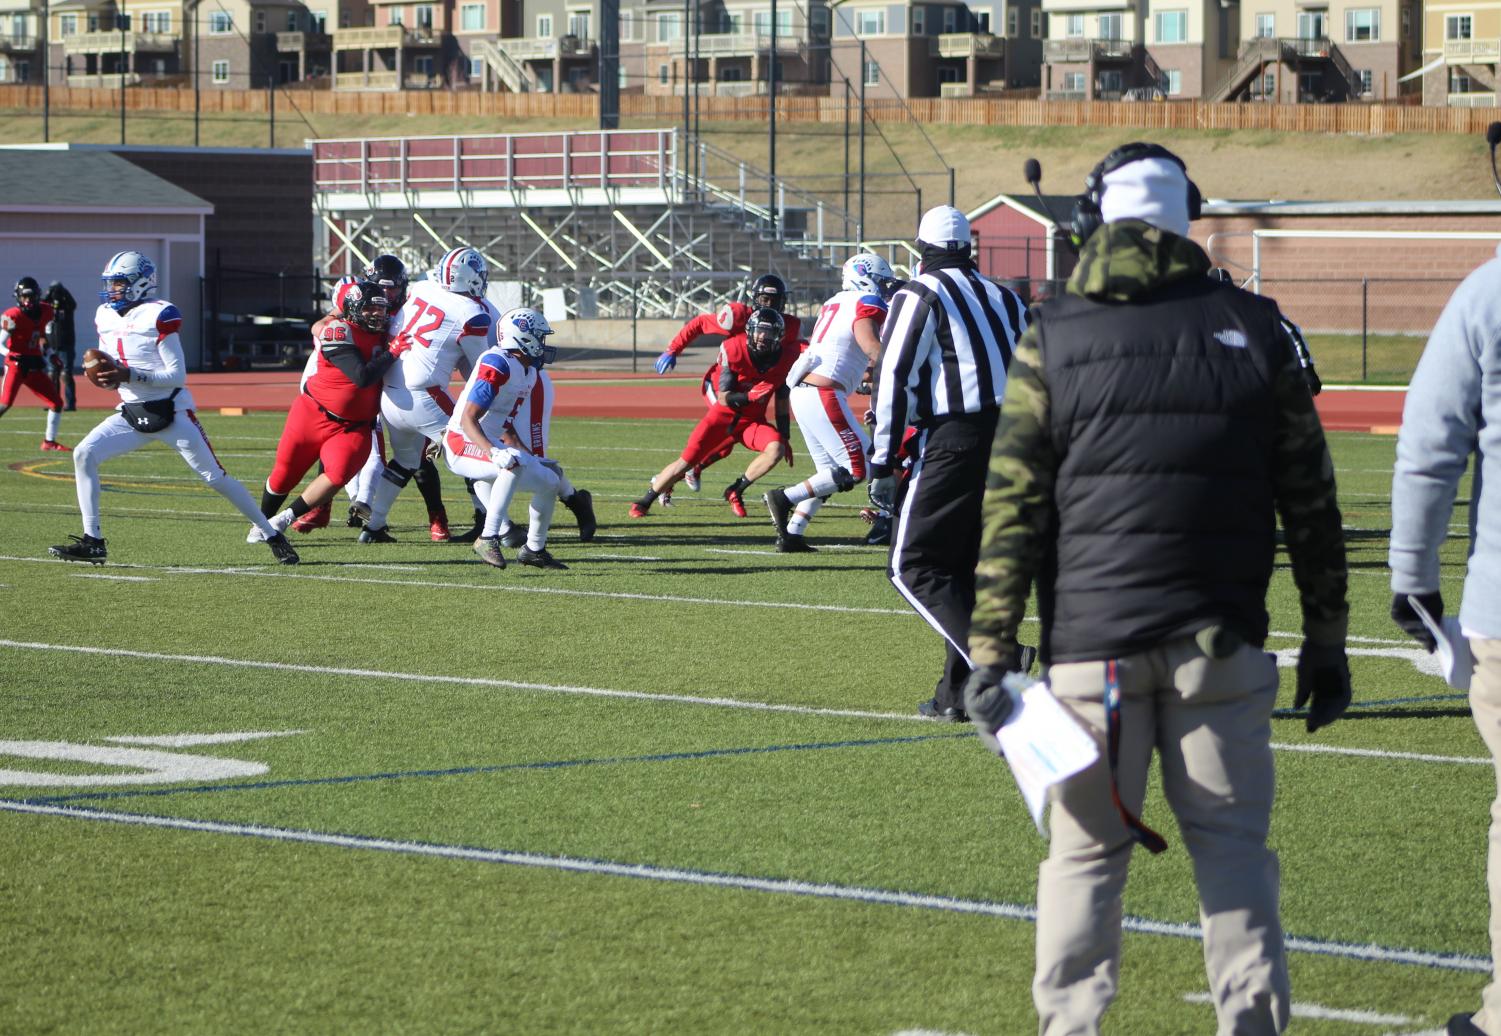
(47,180)
(1028,205)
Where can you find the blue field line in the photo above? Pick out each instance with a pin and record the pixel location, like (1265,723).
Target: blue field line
(1369,952)
(1383,703)
(459,771)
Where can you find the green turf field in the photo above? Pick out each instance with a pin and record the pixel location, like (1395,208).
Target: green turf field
(678,788)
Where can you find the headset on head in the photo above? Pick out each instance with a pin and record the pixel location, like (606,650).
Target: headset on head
(1086,217)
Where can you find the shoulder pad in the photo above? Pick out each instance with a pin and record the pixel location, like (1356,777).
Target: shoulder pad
(726,317)
(8,320)
(168,319)
(335,332)
(874,301)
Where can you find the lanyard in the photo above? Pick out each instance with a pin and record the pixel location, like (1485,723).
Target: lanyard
(1151,840)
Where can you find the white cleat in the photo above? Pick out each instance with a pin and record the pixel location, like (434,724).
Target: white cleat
(691,479)
(280,523)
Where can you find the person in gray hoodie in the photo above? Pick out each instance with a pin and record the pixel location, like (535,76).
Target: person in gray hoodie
(1453,410)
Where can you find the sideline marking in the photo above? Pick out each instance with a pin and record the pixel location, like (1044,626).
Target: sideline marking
(603,692)
(121,579)
(1461,962)
(192,740)
(1332,1014)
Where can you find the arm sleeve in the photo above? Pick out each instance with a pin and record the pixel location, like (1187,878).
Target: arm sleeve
(904,335)
(784,413)
(704,324)
(1017,513)
(5,329)
(1441,423)
(1303,476)
(726,374)
(362,372)
(174,369)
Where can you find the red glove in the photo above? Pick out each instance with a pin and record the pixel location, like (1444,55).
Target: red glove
(402,344)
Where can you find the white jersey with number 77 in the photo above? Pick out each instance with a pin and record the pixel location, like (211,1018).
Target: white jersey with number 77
(832,349)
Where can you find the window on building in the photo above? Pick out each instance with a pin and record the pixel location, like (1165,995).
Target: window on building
(23,71)
(425,17)
(870,22)
(67,25)
(1036,26)
(317,21)
(578,24)
(1073,26)
(950,20)
(1110,26)
(1073,82)
(1013,21)
(1313,25)
(395,16)
(1170,26)
(1457,27)
(1266,26)
(624,78)
(221,71)
(669,28)
(820,23)
(4,70)
(948,74)
(219,23)
(260,21)
(1363,25)
(761,23)
(423,66)
(872,74)
(472,17)
(1406,21)
(476,68)
(1111,83)
(157,21)
(1367,80)
(93,23)
(919,21)
(627,26)
(544,26)
(291,21)
(1269,84)
(1171,82)
(979,21)
(662,74)
(1460,81)
(731,74)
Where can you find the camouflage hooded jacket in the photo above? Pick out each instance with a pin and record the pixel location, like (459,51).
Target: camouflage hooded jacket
(1130,262)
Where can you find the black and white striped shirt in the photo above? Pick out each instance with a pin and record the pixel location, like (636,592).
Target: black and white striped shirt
(945,347)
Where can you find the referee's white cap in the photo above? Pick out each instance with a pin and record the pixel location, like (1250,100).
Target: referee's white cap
(944,226)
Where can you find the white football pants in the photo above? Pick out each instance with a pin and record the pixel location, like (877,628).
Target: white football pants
(497,487)
(409,417)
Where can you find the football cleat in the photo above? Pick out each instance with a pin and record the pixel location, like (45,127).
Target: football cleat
(514,536)
(640,510)
(779,507)
(53,444)
(317,518)
(359,514)
(735,500)
(437,527)
(691,478)
(581,503)
(539,559)
(283,551)
(793,543)
(381,535)
(665,499)
(83,548)
(488,549)
(880,531)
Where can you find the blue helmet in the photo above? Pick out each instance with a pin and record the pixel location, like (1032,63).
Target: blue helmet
(128,278)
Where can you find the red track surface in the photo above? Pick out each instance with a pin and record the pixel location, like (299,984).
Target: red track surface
(649,396)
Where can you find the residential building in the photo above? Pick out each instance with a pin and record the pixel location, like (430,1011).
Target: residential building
(20,42)
(949,49)
(732,42)
(542,46)
(1461,51)
(246,44)
(400,45)
(1121,50)
(1298,51)
(89,44)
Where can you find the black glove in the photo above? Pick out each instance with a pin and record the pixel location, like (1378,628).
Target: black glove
(1406,616)
(736,400)
(1323,675)
(989,700)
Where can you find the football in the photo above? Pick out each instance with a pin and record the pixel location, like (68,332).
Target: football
(98,367)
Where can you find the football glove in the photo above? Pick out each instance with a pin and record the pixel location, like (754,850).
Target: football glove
(991,695)
(1406,616)
(736,400)
(504,457)
(882,492)
(1323,676)
(666,362)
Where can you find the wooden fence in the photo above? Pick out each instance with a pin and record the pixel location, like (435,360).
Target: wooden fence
(1296,118)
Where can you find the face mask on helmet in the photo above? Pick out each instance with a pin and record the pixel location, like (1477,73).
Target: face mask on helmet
(365,305)
(769,292)
(463,270)
(763,337)
(28,296)
(525,331)
(869,273)
(127,278)
(390,274)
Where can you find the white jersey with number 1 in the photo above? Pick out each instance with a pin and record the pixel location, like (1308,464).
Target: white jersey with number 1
(443,326)
(832,349)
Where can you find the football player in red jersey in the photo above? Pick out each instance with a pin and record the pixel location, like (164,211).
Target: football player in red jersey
(330,421)
(768,291)
(752,372)
(29,357)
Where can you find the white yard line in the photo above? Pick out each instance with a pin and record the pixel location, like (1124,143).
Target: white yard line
(1331,1014)
(784,886)
(120,579)
(606,692)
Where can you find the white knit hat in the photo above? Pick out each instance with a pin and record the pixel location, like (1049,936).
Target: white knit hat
(943,226)
(1154,190)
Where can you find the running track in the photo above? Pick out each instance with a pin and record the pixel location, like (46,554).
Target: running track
(623,395)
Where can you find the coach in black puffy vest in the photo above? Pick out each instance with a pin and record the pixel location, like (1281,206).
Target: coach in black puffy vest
(1155,423)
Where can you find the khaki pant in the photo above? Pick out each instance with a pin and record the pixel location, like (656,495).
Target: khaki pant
(1485,705)
(1210,721)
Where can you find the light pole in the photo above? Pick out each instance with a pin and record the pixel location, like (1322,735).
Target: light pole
(771,125)
(124,20)
(46,76)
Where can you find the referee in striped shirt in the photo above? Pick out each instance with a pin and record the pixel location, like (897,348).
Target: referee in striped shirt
(946,344)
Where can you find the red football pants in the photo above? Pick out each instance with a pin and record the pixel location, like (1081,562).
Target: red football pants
(310,436)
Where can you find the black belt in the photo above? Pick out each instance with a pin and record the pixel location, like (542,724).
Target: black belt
(352,426)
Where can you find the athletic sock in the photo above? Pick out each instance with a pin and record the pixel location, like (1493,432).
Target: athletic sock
(650,496)
(740,485)
(797,523)
(271,502)
(821,484)
(431,487)
(300,507)
(54,418)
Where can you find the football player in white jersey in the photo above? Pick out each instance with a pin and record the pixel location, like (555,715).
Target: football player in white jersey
(481,443)
(845,341)
(448,325)
(140,334)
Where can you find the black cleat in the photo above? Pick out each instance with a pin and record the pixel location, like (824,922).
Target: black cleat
(793,543)
(930,709)
(581,503)
(83,548)
(513,537)
(381,535)
(359,514)
(283,551)
(539,559)
(880,532)
(488,549)
(779,507)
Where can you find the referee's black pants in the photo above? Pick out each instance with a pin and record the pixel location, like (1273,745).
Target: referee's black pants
(936,542)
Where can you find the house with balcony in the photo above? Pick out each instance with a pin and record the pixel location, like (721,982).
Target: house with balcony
(1303,51)
(1122,50)
(20,42)
(91,43)
(937,49)
(543,46)
(248,44)
(1461,56)
(726,47)
(402,46)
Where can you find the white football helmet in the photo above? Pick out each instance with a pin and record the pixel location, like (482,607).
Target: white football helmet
(525,331)
(137,273)
(868,272)
(463,270)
